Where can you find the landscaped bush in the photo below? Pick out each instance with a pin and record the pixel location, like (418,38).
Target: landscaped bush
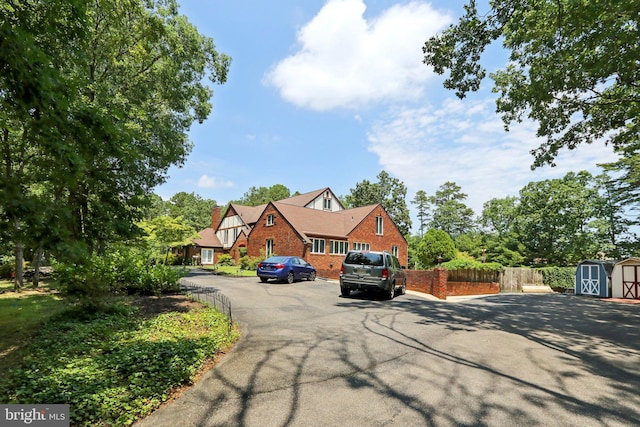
(120,270)
(250,262)
(558,278)
(226,259)
(6,270)
(467,263)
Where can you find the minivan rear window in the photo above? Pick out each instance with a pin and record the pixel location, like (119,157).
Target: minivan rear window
(364,258)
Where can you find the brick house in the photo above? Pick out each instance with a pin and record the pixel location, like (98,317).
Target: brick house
(207,248)
(314,226)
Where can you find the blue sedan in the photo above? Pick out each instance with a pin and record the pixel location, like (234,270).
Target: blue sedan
(285,268)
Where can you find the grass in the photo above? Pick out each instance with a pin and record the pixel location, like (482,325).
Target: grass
(20,316)
(233,270)
(112,367)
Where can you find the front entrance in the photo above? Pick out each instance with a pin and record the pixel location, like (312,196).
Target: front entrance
(590,281)
(630,278)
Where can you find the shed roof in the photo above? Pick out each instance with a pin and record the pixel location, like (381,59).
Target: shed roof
(607,264)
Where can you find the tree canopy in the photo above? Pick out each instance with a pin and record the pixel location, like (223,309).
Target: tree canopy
(388,191)
(573,68)
(95,103)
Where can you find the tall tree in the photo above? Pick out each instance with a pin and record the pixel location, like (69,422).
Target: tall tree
(614,224)
(388,191)
(555,219)
(498,215)
(573,67)
(421,200)
(450,214)
(257,196)
(96,99)
(195,210)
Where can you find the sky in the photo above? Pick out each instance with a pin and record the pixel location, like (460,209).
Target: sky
(328,93)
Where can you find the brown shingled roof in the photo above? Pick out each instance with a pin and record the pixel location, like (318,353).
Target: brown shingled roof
(303,199)
(208,239)
(249,214)
(313,222)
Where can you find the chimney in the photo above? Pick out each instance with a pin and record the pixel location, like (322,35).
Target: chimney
(215,216)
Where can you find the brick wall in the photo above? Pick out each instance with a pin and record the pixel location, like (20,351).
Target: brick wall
(285,239)
(432,282)
(472,288)
(435,282)
(365,232)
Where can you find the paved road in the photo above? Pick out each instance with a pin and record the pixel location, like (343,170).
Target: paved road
(311,358)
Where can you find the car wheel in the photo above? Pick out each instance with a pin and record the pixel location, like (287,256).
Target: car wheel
(392,291)
(290,277)
(345,292)
(263,279)
(312,276)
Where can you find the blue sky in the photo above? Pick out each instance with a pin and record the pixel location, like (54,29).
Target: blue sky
(329,93)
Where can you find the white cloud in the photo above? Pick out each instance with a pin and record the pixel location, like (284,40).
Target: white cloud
(346,61)
(207,181)
(464,142)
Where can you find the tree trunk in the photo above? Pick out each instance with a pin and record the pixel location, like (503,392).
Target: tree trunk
(19,254)
(37,260)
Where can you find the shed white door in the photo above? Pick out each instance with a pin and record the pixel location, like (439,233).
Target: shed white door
(630,278)
(590,280)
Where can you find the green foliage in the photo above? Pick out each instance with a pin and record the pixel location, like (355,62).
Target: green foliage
(6,270)
(555,219)
(449,211)
(558,277)
(436,246)
(250,262)
(120,270)
(193,209)
(390,192)
(115,368)
(471,264)
(97,99)
(257,196)
(421,200)
(226,259)
(572,68)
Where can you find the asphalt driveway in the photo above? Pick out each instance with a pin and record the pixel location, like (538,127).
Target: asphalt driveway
(309,357)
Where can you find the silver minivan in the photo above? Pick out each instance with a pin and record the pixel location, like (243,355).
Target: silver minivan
(372,271)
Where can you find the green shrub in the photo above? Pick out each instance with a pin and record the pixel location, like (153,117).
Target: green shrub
(471,264)
(121,270)
(226,259)
(115,368)
(6,270)
(558,277)
(250,262)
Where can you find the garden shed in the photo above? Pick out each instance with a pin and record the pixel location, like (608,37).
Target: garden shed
(625,279)
(593,277)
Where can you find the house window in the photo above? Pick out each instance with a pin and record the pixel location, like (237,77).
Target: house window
(226,236)
(327,204)
(339,247)
(361,246)
(379,225)
(394,251)
(269,248)
(207,256)
(270,219)
(317,246)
